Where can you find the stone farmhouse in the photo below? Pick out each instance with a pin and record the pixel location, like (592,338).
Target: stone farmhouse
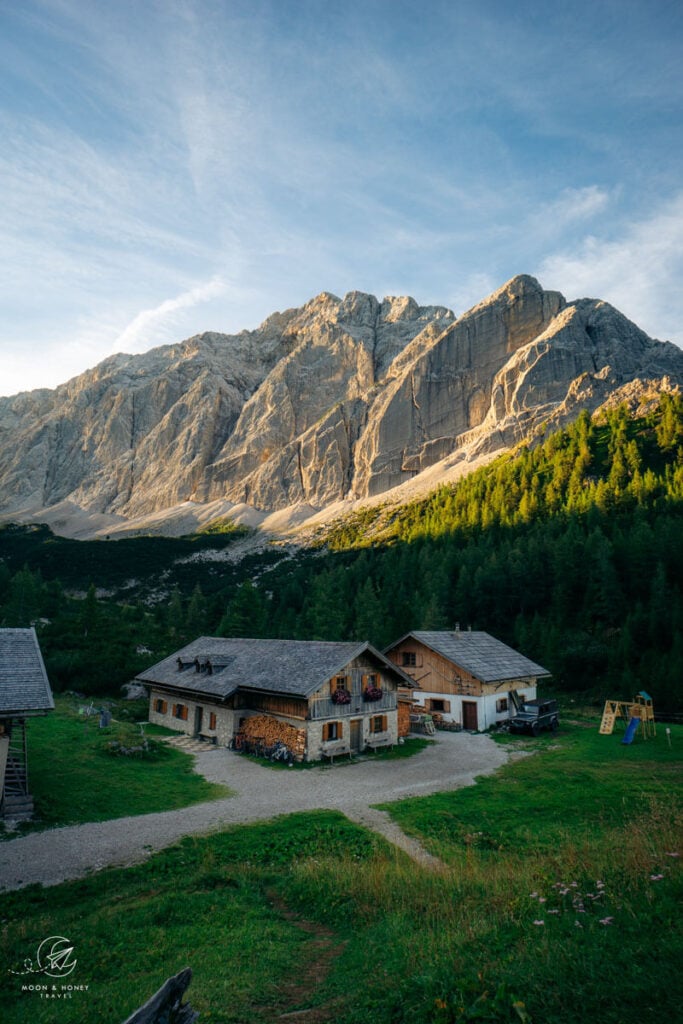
(328,698)
(24,692)
(466,677)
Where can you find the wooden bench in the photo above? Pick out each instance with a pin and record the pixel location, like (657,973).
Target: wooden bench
(377,743)
(332,748)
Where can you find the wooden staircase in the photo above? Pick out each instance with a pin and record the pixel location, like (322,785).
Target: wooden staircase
(17,802)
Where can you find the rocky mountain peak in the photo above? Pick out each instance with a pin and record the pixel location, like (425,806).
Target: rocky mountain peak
(342,397)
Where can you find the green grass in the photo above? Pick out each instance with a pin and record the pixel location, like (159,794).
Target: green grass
(206,903)
(577,783)
(74,776)
(584,827)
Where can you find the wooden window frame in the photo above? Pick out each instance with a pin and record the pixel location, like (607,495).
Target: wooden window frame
(180,711)
(212,721)
(160,706)
(330,728)
(409,659)
(382,719)
(502,705)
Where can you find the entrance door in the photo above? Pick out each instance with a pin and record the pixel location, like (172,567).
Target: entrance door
(356,733)
(198,718)
(469,715)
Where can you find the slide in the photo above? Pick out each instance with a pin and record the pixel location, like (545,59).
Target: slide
(631,730)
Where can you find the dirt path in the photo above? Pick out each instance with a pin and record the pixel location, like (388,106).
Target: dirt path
(453,761)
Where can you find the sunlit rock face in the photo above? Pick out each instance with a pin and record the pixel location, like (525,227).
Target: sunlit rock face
(340,398)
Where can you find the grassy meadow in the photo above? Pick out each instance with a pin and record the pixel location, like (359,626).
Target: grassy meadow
(69,755)
(558,902)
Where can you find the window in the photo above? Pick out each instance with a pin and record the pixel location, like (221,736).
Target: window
(501,704)
(409,659)
(378,723)
(332,731)
(340,683)
(180,711)
(160,706)
(212,720)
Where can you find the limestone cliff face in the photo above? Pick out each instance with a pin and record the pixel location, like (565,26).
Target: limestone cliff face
(343,397)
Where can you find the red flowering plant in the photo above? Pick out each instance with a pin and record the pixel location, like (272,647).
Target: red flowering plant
(372,693)
(341,697)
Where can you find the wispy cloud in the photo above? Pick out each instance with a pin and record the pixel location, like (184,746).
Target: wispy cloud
(639,272)
(150,323)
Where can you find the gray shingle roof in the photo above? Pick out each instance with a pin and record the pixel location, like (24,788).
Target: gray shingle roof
(294,667)
(480,654)
(24,686)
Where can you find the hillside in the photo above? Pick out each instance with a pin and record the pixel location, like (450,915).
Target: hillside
(342,399)
(571,550)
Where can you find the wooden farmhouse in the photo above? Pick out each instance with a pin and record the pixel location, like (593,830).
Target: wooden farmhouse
(24,693)
(468,677)
(319,698)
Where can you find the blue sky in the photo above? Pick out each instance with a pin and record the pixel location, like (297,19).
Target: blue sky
(174,166)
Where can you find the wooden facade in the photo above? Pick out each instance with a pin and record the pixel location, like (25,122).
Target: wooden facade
(469,678)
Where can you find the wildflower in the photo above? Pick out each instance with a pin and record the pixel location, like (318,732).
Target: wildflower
(600,885)
(578,924)
(673,854)
(542,899)
(539,922)
(575,885)
(606,920)
(553,911)
(533,895)
(441,1004)
(656,878)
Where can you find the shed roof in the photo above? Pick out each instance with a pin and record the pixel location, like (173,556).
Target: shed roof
(479,653)
(294,667)
(24,686)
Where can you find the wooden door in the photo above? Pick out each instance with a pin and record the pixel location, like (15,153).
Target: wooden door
(198,719)
(469,715)
(356,734)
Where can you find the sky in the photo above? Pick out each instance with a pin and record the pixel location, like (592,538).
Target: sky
(175,166)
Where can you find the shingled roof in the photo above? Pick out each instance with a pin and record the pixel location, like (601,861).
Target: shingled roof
(294,667)
(480,654)
(24,686)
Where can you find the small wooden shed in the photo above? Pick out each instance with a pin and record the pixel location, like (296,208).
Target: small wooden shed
(24,693)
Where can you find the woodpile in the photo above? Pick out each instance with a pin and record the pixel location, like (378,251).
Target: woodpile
(404,709)
(267,730)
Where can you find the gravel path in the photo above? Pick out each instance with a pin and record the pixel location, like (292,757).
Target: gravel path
(72,852)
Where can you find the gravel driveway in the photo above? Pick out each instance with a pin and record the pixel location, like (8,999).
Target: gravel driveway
(64,853)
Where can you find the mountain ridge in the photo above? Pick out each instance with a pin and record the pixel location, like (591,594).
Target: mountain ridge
(342,399)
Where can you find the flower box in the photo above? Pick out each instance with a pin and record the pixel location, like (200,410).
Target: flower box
(372,693)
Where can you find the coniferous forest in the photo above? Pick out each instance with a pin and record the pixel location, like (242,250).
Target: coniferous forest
(570,549)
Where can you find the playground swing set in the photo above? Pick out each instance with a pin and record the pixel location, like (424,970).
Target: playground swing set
(637,713)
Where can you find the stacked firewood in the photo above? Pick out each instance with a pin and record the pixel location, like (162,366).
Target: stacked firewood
(267,730)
